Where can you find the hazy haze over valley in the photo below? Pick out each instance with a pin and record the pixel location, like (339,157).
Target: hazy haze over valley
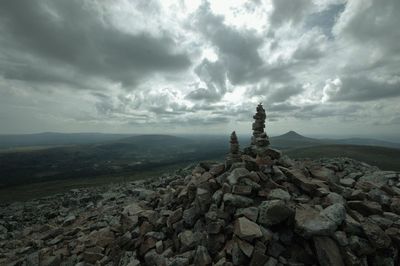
(322,68)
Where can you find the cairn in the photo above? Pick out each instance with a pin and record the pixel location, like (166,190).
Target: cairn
(258,128)
(259,148)
(234,155)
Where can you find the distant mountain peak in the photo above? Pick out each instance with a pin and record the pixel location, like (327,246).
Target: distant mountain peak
(292,133)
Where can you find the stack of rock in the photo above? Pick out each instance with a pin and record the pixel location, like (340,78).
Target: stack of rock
(234,155)
(329,212)
(258,127)
(260,141)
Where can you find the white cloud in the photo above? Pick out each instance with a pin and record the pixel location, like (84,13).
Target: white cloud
(140,63)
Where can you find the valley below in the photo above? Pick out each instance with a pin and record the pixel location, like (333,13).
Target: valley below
(56,165)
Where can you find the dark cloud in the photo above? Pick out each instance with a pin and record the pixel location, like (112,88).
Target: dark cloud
(72,35)
(282,107)
(202,94)
(327,110)
(284,93)
(359,89)
(213,74)
(289,11)
(311,48)
(376,25)
(237,49)
(325,19)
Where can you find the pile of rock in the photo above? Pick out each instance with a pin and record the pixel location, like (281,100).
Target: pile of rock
(325,212)
(259,148)
(234,155)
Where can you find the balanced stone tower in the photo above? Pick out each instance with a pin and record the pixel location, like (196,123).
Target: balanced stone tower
(259,148)
(234,153)
(258,127)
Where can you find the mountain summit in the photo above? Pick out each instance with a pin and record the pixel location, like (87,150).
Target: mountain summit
(292,134)
(259,208)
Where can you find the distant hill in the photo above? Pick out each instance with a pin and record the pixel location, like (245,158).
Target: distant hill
(52,138)
(369,142)
(128,154)
(384,158)
(292,139)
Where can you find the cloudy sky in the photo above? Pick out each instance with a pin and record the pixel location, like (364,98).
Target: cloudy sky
(328,67)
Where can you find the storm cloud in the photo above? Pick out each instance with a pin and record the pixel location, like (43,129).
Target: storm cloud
(58,41)
(191,66)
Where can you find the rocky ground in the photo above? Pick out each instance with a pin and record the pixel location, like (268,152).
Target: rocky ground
(325,212)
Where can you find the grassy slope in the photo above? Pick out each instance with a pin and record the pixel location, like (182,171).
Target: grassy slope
(43,189)
(384,158)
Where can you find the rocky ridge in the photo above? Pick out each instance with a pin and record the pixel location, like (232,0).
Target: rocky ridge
(260,209)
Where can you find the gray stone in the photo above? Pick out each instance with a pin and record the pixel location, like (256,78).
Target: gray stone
(258,258)
(187,240)
(190,216)
(379,177)
(245,247)
(335,212)
(250,212)
(279,194)
(308,222)
(217,197)
(347,182)
(237,200)
(273,212)
(237,174)
(275,249)
(328,252)
(201,256)
(153,258)
(341,238)
(70,219)
(271,262)
(352,226)
(360,246)
(375,234)
(366,208)
(246,229)
(174,217)
(241,190)
(333,198)
(217,169)
(238,257)
(325,174)
(395,206)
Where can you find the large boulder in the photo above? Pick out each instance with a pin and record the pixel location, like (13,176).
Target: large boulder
(273,212)
(309,222)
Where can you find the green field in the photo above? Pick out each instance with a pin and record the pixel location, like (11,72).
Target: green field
(384,158)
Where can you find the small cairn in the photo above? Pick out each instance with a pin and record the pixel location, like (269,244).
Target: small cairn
(234,155)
